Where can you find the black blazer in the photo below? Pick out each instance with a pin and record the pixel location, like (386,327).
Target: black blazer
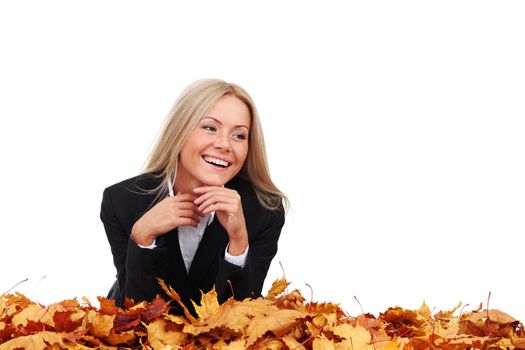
(137,268)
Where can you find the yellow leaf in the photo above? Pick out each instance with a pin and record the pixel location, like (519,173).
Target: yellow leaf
(101,325)
(274,344)
(37,341)
(121,338)
(425,311)
(160,335)
(175,296)
(275,322)
(321,343)
(235,315)
(292,343)
(33,312)
(209,304)
(238,344)
(278,287)
(391,345)
(357,336)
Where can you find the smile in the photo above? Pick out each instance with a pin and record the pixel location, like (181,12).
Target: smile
(216,161)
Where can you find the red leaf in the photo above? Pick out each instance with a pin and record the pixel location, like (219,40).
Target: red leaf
(64,323)
(154,309)
(5,333)
(125,322)
(107,306)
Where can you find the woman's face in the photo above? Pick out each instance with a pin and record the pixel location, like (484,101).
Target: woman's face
(216,149)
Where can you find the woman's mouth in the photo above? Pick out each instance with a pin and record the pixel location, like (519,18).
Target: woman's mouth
(216,162)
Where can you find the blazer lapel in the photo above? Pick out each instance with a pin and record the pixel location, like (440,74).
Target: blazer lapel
(214,240)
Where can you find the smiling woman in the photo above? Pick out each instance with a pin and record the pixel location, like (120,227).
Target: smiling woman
(205,211)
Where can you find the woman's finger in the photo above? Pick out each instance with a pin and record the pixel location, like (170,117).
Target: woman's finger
(226,207)
(216,191)
(187,213)
(187,222)
(218,198)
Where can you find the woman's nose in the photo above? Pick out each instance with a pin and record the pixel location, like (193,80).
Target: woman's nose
(223,142)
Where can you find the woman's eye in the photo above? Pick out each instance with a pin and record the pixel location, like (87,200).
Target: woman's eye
(209,128)
(240,136)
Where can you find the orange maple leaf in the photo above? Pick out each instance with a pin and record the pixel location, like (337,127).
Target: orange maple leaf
(209,304)
(100,325)
(275,321)
(42,340)
(278,287)
(160,334)
(175,296)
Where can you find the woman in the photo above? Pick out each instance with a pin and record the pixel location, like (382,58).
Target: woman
(205,211)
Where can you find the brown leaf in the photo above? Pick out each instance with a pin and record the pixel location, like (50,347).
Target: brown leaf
(154,309)
(6,330)
(402,322)
(125,322)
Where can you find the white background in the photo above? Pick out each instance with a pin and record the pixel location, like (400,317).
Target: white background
(396,129)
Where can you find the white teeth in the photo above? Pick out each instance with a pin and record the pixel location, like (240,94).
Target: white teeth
(216,161)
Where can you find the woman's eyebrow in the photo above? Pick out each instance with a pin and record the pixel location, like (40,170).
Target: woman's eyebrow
(236,126)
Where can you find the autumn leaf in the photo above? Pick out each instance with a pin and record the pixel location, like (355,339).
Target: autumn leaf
(154,309)
(238,344)
(67,321)
(209,304)
(100,325)
(283,320)
(275,322)
(37,341)
(127,337)
(175,296)
(356,337)
(125,322)
(159,335)
(278,287)
(108,306)
(321,343)
(32,312)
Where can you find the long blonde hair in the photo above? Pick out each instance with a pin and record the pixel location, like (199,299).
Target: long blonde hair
(193,103)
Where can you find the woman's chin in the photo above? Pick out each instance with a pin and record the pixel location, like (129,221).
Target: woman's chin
(214,181)
(210,178)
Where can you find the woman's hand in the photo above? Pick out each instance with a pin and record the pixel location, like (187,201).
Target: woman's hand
(226,203)
(166,215)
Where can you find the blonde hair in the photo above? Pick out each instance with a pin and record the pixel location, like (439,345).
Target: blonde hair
(193,103)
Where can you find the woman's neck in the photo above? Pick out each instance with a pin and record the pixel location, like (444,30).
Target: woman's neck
(183,185)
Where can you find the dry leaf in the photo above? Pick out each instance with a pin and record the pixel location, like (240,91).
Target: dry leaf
(278,287)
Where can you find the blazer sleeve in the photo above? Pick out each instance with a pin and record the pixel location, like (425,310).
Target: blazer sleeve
(137,268)
(248,281)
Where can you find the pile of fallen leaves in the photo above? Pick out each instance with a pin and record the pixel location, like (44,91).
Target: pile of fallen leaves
(279,321)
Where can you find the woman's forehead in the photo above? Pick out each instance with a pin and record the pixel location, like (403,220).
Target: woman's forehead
(231,111)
